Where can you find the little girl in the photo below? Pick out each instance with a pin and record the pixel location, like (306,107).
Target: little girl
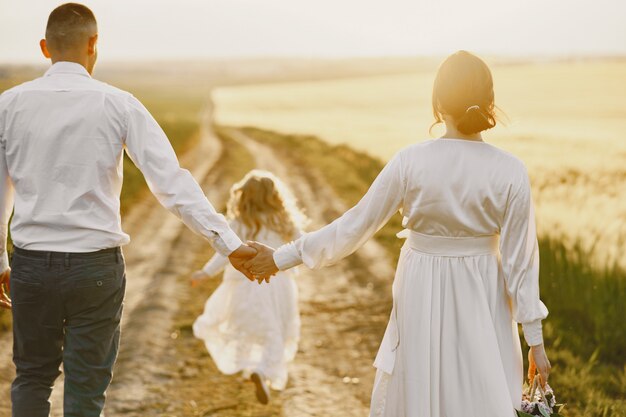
(248,327)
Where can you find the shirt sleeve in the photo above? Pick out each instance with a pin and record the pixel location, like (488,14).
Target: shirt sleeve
(218,262)
(174,187)
(349,232)
(6,197)
(520,261)
(287,256)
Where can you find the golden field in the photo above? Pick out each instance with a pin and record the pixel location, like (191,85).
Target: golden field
(566,120)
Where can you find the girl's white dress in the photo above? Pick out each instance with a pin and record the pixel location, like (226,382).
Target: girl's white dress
(248,327)
(467,274)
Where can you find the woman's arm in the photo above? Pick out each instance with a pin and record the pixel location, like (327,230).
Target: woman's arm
(520,261)
(343,236)
(520,264)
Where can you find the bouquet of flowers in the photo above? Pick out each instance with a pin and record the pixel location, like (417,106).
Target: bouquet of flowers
(537,401)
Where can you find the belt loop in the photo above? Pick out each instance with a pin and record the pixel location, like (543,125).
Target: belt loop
(48,256)
(117,255)
(67,260)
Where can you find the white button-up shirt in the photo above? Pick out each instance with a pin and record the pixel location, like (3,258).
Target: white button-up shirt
(62,138)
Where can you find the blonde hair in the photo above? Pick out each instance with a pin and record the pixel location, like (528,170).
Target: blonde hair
(262,199)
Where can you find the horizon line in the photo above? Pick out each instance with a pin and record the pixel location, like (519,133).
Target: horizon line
(330,58)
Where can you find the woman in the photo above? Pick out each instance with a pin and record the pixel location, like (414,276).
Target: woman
(467,273)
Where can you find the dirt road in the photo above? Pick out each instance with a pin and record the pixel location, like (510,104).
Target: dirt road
(163,371)
(332,374)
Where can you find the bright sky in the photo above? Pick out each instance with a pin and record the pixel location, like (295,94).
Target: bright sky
(166,29)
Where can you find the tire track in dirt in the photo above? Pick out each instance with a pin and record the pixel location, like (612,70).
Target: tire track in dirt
(342,314)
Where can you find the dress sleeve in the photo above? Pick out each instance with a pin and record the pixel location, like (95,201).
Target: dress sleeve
(520,261)
(215,265)
(346,234)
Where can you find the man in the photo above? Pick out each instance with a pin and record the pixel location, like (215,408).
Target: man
(62,138)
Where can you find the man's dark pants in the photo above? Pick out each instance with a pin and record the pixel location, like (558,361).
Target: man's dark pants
(66,309)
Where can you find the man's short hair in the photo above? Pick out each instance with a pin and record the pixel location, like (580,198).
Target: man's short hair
(69,25)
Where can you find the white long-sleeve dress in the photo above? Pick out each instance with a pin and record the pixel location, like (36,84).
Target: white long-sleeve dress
(247,327)
(467,274)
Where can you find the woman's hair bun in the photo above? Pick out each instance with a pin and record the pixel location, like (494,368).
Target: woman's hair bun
(475,120)
(463,90)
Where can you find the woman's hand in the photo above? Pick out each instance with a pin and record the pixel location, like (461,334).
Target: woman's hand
(5,300)
(262,266)
(538,361)
(196,277)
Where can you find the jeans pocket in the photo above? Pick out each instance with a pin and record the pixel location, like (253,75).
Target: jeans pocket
(25,291)
(28,269)
(97,288)
(102,282)
(27,281)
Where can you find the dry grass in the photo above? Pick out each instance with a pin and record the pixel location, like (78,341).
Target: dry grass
(565,120)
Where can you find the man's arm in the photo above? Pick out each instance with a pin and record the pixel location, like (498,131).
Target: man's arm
(6,187)
(6,207)
(174,187)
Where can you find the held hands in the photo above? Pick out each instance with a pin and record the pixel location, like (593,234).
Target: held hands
(5,300)
(254,260)
(262,266)
(240,256)
(538,361)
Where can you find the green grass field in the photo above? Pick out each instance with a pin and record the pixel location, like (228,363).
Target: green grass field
(585,337)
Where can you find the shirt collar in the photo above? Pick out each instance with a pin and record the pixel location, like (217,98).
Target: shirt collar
(64,67)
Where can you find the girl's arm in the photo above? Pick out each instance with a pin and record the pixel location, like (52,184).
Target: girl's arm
(218,262)
(215,265)
(346,234)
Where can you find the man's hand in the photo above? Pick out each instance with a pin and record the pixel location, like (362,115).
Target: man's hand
(242,254)
(262,266)
(5,300)
(538,361)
